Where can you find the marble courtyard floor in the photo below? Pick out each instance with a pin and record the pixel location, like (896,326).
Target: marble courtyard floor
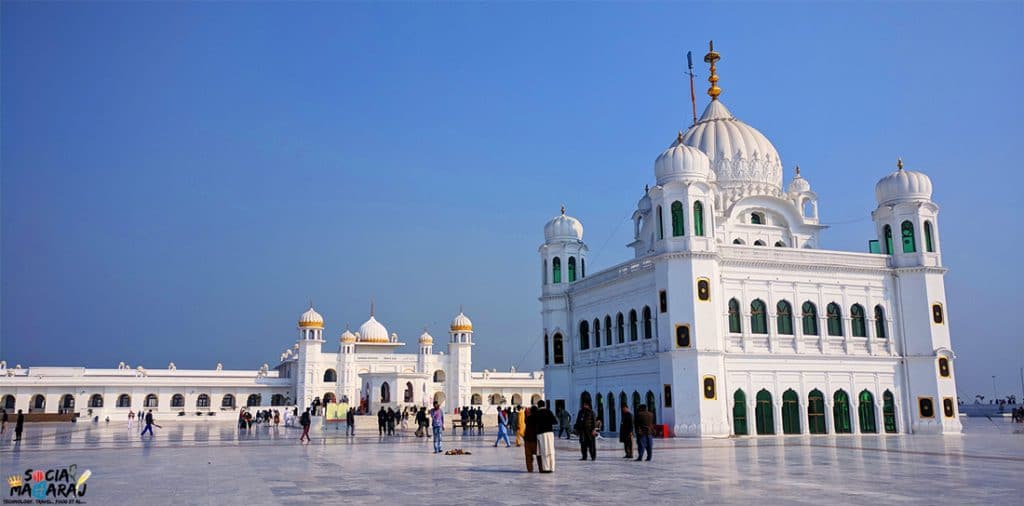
(211,463)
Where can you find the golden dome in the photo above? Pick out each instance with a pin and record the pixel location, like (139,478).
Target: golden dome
(311,320)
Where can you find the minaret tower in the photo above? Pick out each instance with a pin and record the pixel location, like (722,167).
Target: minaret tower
(348,381)
(460,360)
(311,340)
(907,223)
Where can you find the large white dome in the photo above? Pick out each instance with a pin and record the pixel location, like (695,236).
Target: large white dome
(683,162)
(563,227)
(741,157)
(903,185)
(373,332)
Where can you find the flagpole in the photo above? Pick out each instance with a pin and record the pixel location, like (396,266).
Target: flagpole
(693,97)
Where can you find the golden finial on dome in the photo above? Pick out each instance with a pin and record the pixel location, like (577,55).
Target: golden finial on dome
(679,137)
(714,91)
(899,163)
(563,208)
(797,171)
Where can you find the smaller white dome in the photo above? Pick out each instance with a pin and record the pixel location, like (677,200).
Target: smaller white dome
(311,319)
(903,185)
(683,162)
(373,332)
(348,336)
(426,338)
(563,227)
(461,323)
(799,184)
(645,203)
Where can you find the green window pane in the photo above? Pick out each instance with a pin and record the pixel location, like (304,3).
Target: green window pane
(880,322)
(834,320)
(763,414)
(841,412)
(739,413)
(572,269)
(677,219)
(816,413)
(784,318)
(907,229)
(857,323)
(556,270)
(928,237)
(810,319)
(735,326)
(790,413)
(888,240)
(889,412)
(698,218)
(758,317)
(866,413)
(661,224)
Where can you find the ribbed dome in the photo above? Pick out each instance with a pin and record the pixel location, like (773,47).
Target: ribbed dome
(644,205)
(799,184)
(563,227)
(373,332)
(426,338)
(461,323)
(311,320)
(682,162)
(348,336)
(740,155)
(903,185)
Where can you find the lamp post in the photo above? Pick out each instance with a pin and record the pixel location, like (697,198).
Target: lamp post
(994,395)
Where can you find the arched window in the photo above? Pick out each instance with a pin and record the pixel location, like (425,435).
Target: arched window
(476,399)
(759,243)
(683,336)
(810,318)
(907,230)
(597,332)
(756,219)
(599,409)
(739,413)
(278,399)
(623,400)
(544,270)
(698,218)
(9,402)
(556,270)
(559,352)
(841,412)
(816,412)
(633,333)
(546,353)
(228,401)
(784,318)
(124,401)
(866,413)
(38,403)
(68,401)
(203,401)
(929,246)
(735,326)
(857,326)
(178,401)
(439,376)
(677,219)
(763,413)
(96,401)
(661,225)
(652,405)
(703,289)
(385,393)
(607,330)
(495,399)
(738,241)
(887,232)
(889,412)
(944,367)
(611,412)
(620,327)
(780,244)
(647,322)
(572,269)
(834,318)
(254,400)
(636,402)
(330,376)
(584,335)
(758,317)
(583,267)
(790,412)
(880,323)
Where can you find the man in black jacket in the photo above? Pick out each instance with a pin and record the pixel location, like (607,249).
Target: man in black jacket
(19,425)
(586,422)
(626,432)
(542,422)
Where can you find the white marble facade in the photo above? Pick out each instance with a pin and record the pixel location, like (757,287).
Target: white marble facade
(732,318)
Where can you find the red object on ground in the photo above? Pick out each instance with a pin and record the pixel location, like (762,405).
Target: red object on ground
(661,430)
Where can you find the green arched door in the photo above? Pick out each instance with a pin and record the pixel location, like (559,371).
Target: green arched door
(739,413)
(763,414)
(816,413)
(841,412)
(790,413)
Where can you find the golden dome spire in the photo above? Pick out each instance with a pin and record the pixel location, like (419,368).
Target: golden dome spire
(899,163)
(714,91)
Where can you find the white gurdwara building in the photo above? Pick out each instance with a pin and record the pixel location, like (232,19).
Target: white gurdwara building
(366,370)
(732,320)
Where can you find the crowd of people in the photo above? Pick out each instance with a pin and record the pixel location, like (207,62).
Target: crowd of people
(264,417)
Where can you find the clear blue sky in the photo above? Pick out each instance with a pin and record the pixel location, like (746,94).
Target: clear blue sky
(178,179)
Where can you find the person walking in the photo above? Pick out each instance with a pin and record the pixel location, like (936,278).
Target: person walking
(131,418)
(382,422)
(390,419)
(3,423)
(464,418)
(305,421)
(644,430)
(437,424)
(530,439)
(350,420)
(626,432)
(586,423)
(277,418)
(564,424)
(421,422)
(543,422)
(513,419)
(502,430)
(19,425)
(520,425)
(149,424)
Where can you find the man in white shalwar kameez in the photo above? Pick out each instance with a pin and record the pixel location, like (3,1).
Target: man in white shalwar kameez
(545,421)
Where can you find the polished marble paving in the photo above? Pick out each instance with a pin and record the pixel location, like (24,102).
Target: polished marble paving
(212,462)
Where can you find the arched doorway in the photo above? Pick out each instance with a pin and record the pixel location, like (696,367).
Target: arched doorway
(476,399)
(816,412)
(763,414)
(385,393)
(38,404)
(739,413)
(534,399)
(790,412)
(408,394)
(8,402)
(439,398)
(329,397)
(866,413)
(599,410)
(253,400)
(67,403)
(841,412)
(652,405)
(889,412)
(612,426)
(636,402)
(517,399)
